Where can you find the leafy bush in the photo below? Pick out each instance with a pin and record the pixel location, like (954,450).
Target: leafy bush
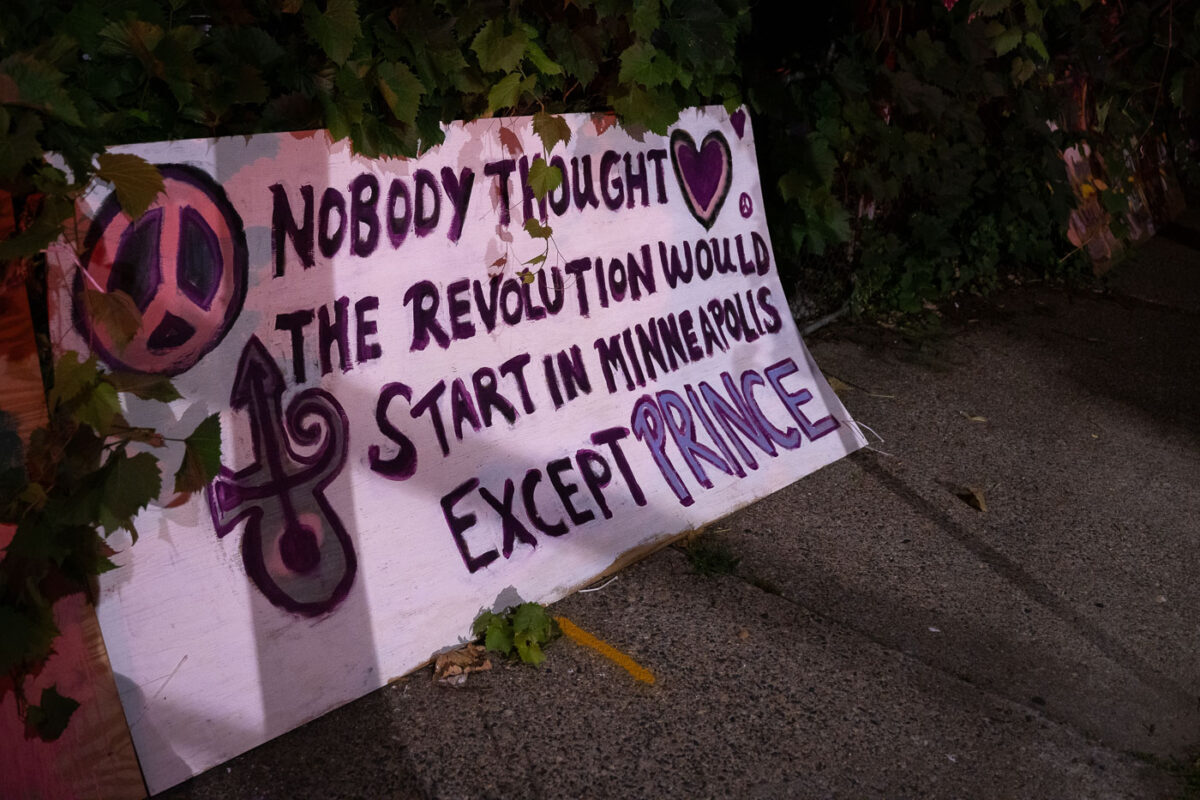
(521,630)
(906,151)
(83,75)
(85,475)
(911,142)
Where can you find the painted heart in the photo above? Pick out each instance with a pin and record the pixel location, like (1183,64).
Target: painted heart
(738,120)
(704,173)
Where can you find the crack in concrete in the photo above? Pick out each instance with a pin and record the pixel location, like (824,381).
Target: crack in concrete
(1015,575)
(1030,586)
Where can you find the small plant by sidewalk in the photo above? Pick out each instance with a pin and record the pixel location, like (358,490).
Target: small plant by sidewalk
(710,557)
(521,630)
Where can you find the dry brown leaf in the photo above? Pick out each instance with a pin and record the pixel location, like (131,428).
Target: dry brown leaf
(839,386)
(179,500)
(451,668)
(604,121)
(510,141)
(972,496)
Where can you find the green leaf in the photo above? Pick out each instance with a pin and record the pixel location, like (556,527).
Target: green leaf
(1175,92)
(201,456)
(645,64)
(543,62)
(335,119)
(26,81)
(650,109)
(1022,70)
(132,37)
(496,630)
(48,720)
(26,640)
(114,312)
(1006,41)
(496,51)
(136,181)
(551,129)
(336,29)
(71,377)
(644,20)
(525,627)
(1033,13)
(18,142)
(837,219)
(823,159)
(528,649)
(401,90)
(532,618)
(499,637)
(507,91)
(989,8)
(792,185)
(483,622)
(130,484)
(33,496)
(537,230)
(1035,43)
(145,386)
(99,409)
(580,49)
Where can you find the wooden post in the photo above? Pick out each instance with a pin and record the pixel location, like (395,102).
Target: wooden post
(94,758)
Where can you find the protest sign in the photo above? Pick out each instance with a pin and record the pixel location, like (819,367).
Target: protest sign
(438,394)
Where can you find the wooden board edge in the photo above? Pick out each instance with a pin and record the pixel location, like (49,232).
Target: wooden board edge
(94,758)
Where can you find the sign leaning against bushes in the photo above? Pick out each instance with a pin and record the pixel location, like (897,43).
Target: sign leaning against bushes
(439,393)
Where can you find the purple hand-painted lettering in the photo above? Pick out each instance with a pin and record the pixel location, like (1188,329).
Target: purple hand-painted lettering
(295,547)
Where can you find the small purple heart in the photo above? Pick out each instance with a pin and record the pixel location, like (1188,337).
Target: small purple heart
(704,173)
(738,119)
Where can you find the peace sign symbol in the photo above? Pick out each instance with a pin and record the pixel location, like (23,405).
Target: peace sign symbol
(184,264)
(745,205)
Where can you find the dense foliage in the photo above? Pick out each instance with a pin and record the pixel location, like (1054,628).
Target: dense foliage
(82,75)
(905,148)
(912,140)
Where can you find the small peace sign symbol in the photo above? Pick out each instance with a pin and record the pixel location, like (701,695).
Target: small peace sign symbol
(745,205)
(184,264)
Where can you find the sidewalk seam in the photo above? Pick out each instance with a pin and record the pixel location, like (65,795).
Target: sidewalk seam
(1026,583)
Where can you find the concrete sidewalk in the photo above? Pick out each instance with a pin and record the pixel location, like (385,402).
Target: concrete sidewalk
(881,635)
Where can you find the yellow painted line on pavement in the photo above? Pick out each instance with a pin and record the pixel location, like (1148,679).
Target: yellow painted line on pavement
(582,637)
